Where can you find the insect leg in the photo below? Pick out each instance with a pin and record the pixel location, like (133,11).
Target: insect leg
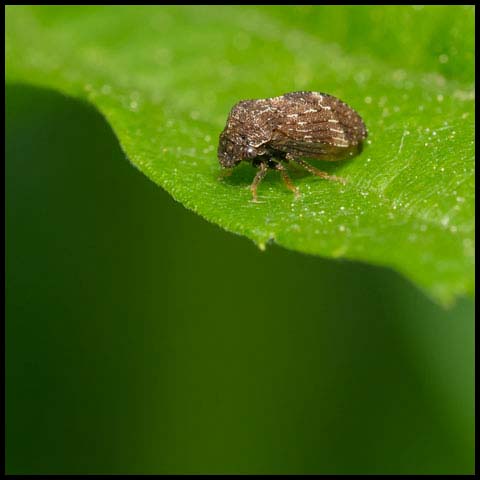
(225,173)
(318,173)
(262,171)
(287,180)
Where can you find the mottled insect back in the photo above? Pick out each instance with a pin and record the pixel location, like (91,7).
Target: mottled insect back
(293,126)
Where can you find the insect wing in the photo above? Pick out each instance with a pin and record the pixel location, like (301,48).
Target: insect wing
(317,125)
(315,140)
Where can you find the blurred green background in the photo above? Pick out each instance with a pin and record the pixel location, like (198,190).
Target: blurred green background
(142,339)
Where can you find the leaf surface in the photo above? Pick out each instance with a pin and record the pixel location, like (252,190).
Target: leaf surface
(165,79)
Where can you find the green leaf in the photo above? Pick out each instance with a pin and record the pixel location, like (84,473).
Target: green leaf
(165,78)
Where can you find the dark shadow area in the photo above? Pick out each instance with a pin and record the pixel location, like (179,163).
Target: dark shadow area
(142,339)
(244,173)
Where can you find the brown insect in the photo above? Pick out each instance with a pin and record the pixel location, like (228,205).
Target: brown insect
(291,127)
